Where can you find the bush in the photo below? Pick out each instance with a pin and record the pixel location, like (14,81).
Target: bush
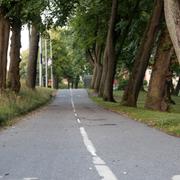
(122,84)
(12,105)
(63,86)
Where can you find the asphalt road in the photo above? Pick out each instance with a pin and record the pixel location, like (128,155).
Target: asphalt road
(74,139)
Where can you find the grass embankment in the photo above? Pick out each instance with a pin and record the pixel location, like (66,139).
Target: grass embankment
(168,122)
(12,105)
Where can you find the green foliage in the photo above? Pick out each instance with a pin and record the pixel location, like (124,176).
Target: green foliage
(90,22)
(23,64)
(53,12)
(138,25)
(69,61)
(59,11)
(122,84)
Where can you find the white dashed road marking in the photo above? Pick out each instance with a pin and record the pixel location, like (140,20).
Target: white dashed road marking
(103,170)
(177,177)
(79,121)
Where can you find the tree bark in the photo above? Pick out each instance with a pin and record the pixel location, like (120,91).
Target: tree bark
(142,58)
(94,76)
(98,77)
(110,54)
(4,42)
(89,57)
(103,76)
(172,16)
(69,83)
(99,67)
(157,98)
(14,76)
(97,72)
(56,82)
(92,60)
(77,82)
(33,56)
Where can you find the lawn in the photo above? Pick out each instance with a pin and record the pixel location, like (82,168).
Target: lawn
(168,122)
(12,105)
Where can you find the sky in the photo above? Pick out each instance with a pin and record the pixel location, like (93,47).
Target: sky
(24,39)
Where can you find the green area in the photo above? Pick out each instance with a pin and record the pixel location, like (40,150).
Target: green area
(13,105)
(168,122)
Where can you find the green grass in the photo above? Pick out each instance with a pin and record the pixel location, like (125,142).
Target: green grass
(168,122)
(12,105)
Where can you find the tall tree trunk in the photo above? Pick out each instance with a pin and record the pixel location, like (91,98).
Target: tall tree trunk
(89,57)
(69,83)
(110,54)
(98,77)
(158,88)
(77,82)
(172,16)
(94,76)
(4,42)
(103,76)
(142,58)
(99,68)
(177,89)
(56,82)
(33,56)
(92,59)
(14,76)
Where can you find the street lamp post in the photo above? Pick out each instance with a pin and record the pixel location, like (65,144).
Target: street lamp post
(40,61)
(46,64)
(51,55)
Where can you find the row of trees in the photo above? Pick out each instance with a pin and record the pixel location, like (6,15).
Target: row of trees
(114,38)
(130,37)
(40,15)
(69,61)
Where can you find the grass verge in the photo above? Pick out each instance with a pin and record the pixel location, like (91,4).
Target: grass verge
(12,105)
(168,122)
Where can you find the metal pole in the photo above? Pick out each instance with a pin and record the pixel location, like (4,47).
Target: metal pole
(40,61)
(52,78)
(46,63)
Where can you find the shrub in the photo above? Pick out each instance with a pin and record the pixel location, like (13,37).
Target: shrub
(122,84)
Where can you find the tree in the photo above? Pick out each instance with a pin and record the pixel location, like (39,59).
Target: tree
(110,54)
(142,57)
(90,25)
(172,16)
(4,41)
(60,12)
(69,60)
(14,76)
(157,98)
(16,23)
(33,17)
(33,56)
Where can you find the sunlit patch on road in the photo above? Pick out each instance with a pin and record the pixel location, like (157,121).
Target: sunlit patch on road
(31,178)
(176,177)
